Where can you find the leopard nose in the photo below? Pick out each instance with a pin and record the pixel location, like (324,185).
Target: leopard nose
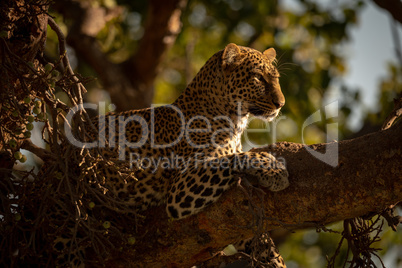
(278,104)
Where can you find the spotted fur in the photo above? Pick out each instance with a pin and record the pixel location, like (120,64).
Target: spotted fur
(263,250)
(207,121)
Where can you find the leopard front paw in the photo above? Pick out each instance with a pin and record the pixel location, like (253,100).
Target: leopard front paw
(271,173)
(274,179)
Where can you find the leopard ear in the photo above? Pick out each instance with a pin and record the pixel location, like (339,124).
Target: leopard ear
(231,57)
(270,53)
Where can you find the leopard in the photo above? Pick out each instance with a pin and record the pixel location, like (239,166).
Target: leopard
(263,248)
(185,155)
(202,131)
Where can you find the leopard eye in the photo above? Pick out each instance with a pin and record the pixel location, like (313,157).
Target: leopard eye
(259,77)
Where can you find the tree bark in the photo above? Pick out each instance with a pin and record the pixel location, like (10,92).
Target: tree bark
(367,179)
(130,84)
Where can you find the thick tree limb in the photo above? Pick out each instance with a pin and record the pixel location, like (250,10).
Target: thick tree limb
(367,179)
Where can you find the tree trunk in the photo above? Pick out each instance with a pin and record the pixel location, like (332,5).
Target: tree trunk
(130,84)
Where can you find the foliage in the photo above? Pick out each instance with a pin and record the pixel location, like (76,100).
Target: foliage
(309,44)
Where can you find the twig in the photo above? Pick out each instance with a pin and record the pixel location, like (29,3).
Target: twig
(38,151)
(392,220)
(396,112)
(63,54)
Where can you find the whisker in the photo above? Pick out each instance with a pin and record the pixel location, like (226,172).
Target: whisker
(284,68)
(280,67)
(289,67)
(290,63)
(280,57)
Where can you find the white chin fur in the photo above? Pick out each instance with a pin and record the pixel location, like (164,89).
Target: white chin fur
(272,116)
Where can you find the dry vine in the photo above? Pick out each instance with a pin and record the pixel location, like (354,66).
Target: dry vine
(67,198)
(261,243)
(258,248)
(360,233)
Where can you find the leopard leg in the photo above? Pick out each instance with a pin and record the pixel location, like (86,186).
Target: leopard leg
(203,182)
(263,249)
(196,188)
(270,173)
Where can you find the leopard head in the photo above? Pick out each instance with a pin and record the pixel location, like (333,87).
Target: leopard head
(250,78)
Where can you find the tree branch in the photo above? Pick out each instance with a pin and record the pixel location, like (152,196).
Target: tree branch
(162,26)
(367,179)
(38,151)
(394,7)
(396,112)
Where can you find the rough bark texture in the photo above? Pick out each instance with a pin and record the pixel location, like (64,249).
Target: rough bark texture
(367,179)
(130,83)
